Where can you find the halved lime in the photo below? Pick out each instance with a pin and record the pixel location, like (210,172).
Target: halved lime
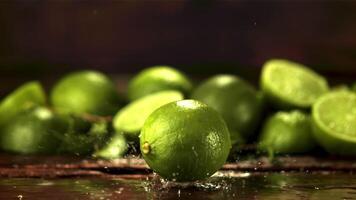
(291,85)
(185,141)
(86,92)
(236,100)
(287,132)
(334,122)
(158,78)
(130,119)
(34,131)
(26,96)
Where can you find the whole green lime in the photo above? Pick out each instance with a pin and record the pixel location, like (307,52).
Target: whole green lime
(86,92)
(34,131)
(287,132)
(185,141)
(130,119)
(334,122)
(289,85)
(236,100)
(24,97)
(158,78)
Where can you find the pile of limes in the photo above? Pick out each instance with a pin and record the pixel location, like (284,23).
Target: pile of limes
(184,133)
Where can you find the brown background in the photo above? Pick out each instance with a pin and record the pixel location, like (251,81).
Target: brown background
(46,38)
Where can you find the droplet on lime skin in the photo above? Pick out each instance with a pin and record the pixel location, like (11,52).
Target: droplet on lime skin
(191,141)
(146,148)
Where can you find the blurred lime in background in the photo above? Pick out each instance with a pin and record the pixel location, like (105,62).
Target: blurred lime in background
(289,85)
(24,97)
(86,92)
(287,133)
(236,100)
(158,78)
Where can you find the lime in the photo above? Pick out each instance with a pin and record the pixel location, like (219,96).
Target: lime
(287,132)
(84,139)
(334,122)
(236,100)
(354,87)
(291,85)
(34,131)
(115,148)
(185,141)
(131,118)
(26,96)
(158,78)
(86,92)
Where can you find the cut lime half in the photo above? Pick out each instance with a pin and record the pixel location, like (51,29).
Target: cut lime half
(334,122)
(289,85)
(130,119)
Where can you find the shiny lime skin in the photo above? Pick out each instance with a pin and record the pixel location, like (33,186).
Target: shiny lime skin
(130,119)
(24,97)
(185,141)
(35,131)
(158,78)
(86,92)
(334,122)
(290,85)
(287,133)
(236,100)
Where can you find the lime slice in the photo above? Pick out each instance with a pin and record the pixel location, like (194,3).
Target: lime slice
(33,131)
(86,92)
(236,100)
(287,132)
(185,141)
(334,122)
(291,85)
(26,96)
(158,78)
(131,118)
(115,148)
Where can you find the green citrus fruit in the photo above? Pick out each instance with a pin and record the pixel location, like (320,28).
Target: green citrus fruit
(83,137)
(287,132)
(131,118)
(158,78)
(235,99)
(86,92)
(114,148)
(334,122)
(290,85)
(26,96)
(34,131)
(185,141)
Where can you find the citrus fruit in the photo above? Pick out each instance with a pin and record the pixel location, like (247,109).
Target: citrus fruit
(34,131)
(115,148)
(84,139)
(354,87)
(334,122)
(287,132)
(235,99)
(185,141)
(156,79)
(26,96)
(86,92)
(131,118)
(289,85)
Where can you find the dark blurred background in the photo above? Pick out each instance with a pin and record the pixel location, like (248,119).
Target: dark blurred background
(41,39)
